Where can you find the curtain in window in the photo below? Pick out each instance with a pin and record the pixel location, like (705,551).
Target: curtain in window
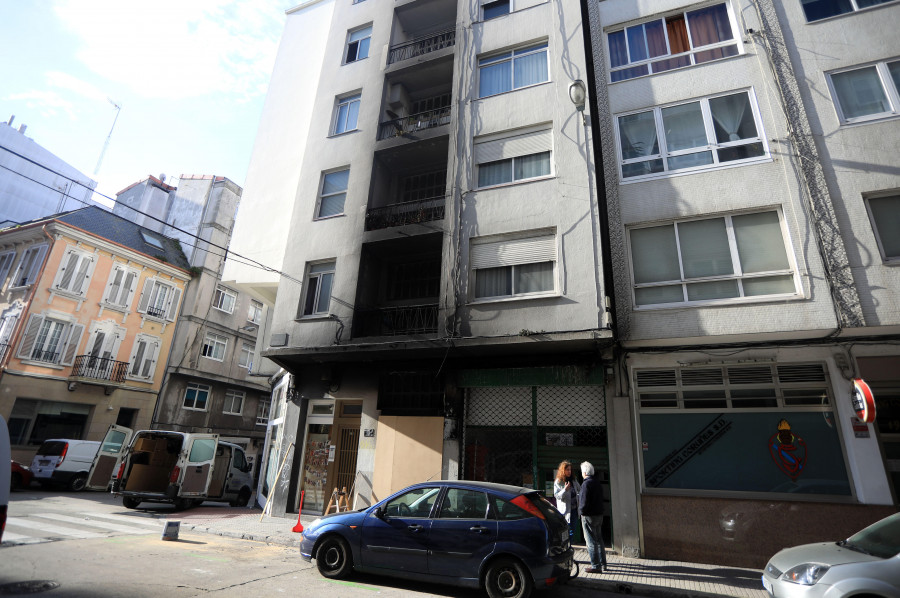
(530,69)
(678,37)
(333,197)
(332,205)
(534,278)
(324,293)
(886,215)
(618,50)
(860,92)
(709,25)
(732,117)
(759,242)
(494,79)
(655,32)
(529,167)
(638,132)
(637,43)
(704,248)
(493,282)
(654,254)
(494,173)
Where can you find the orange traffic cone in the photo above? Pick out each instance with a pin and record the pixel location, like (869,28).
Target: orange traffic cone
(299,527)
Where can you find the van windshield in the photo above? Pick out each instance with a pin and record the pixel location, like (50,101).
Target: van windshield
(52,448)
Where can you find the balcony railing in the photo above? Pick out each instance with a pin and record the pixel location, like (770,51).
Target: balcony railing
(422,45)
(414,122)
(411,212)
(155,312)
(393,321)
(99,368)
(3,349)
(45,356)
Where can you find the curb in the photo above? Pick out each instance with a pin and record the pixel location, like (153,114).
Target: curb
(278,539)
(622,587)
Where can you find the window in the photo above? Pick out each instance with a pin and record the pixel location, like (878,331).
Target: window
(885,215)
(414,503)
(497,8)
(866,93)
(214,346)
(150,239)
(121,286)
(49,340)
(510,158)
(246,358)
(6,260)
(262,412)
(29,266)
(234,402)
(711,260)
(223,299)
(159,299)
(333,193)
(459,503)
(196,396)
(676,41)
(514,266)
(103,345)
(822,9)
(346,113)
(142,364)
(31,422)
(515,69)
(318,289)
(255,313)
(74,273)
(692,136)
(358,44)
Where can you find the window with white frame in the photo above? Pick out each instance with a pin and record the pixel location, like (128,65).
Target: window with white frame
(691,136)
(246,358)
(159,299)
(512,157)
(495,8)
(262,412)
(712,260)
(885,215)
(29,266)
(317,295)
(6,261)
(332,193)
(214,346)
(234,402)
(514,69)
(346,114)
(513,266)
(255,312)
(74,274)
(142,363)
(50,340)
(358,44)
(103,343)
(196,396)
(816,10)
(675,41)
(224,299)
(866,93)
(121,286)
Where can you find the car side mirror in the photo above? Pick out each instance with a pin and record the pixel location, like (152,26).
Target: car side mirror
(378,512)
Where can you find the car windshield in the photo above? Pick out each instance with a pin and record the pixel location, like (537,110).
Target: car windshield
(880,539)
(52,448)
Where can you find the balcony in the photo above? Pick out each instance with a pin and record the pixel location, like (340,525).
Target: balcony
(156,312)
(398,320)
(89,368)
(421,46)
(401,214)
(421,121)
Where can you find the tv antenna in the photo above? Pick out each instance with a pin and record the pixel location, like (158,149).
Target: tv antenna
(106,145)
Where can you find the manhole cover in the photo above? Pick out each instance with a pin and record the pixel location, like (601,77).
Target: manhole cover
(27,587)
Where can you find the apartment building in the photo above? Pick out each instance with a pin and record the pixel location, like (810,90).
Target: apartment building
(87,318)
(752,197)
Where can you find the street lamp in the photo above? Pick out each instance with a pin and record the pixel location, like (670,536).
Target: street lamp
(578,95)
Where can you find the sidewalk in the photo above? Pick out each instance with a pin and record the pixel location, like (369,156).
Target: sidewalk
(663,579)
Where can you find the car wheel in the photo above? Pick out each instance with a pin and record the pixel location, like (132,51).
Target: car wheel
(130,503)
(78,482)
(243,498)
(15,482)
(333,559)
(507,578)
(183,504)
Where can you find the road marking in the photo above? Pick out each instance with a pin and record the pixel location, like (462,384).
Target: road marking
(60,530)
(112,527)
(136,519)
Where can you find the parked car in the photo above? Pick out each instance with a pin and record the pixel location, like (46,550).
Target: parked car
(502,538)
(4,474)
(865,564)
(20,477)
(64,462)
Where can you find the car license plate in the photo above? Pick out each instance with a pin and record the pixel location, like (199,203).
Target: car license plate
(767,585)
(44,462)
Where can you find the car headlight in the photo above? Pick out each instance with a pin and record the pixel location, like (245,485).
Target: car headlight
(806,574)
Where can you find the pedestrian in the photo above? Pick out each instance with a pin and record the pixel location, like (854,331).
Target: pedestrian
(590,503)
(566,489)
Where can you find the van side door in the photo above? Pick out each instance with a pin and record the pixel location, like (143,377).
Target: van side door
(198,465)
(238,475)
(109,457)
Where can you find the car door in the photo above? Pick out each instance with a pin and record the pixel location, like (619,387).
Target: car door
(463,533)
(398,540)
(198,467)
(109,456)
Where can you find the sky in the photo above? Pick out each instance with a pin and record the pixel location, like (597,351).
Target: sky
(189,77)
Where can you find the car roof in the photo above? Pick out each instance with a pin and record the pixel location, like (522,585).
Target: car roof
(485,486)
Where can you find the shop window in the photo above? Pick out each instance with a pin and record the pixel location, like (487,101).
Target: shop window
(31,422)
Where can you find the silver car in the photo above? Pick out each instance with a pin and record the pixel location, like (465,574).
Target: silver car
(865,564)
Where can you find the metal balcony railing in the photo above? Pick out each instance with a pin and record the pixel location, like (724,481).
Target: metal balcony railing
(393,321)
(155,312)
(422,45)
(46,356)
(411,212)
(99,368)
(414,122)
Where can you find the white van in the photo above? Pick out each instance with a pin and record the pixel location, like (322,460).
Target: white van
(177,467)
(64,462)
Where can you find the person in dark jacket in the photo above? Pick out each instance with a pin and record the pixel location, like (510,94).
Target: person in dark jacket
(590,504)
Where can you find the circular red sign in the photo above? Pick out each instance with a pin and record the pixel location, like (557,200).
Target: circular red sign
(863,401)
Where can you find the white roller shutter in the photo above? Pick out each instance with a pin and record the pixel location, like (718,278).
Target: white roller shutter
(524,144)
(512,252)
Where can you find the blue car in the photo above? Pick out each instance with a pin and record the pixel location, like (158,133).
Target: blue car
(505,539)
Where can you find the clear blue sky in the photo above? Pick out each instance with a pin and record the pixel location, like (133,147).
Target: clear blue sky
(190,77)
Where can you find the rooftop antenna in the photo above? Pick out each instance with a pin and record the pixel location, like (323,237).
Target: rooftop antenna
(106,145)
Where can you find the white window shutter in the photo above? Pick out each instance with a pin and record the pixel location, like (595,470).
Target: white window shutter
(85,272)
(7,327)
(525,144)
(67,267)
(6,261)
(137,356)
(36,264)
(31,332)
(118,336)
(513,252)
(128,288)
(148,369)
(110,293)
(72,346)
(172,307)
(145,295)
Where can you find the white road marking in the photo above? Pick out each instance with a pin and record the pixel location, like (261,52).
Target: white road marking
(112,527)
(136,519)
(58,530)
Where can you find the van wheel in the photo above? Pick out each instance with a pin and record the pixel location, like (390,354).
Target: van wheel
(507,578)
(333,558)
(78,482)
(243,498)
(183,504)
(130,502)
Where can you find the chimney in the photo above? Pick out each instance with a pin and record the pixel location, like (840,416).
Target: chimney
(22,129)
(11,119)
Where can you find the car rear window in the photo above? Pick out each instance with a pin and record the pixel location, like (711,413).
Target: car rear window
(53,448)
